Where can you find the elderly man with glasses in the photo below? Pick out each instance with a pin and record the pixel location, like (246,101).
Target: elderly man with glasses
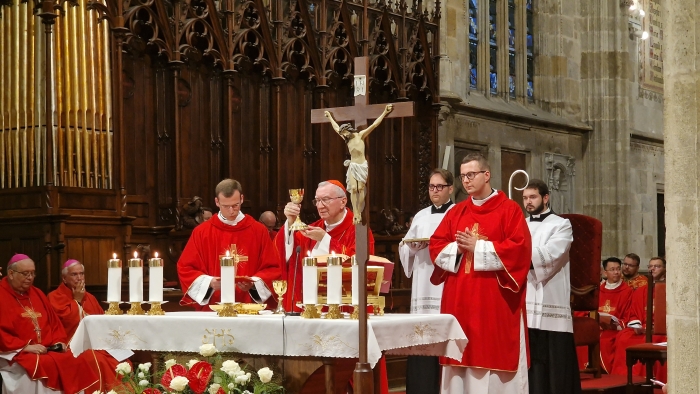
(333,232)
(33,357)
(246,240)
(630,272)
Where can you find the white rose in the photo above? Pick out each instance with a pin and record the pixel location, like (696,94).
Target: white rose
(169,363)
(123,368)
(242,379)
(191,363)
(231,386)
(141,375)
(179,383)
(145,367)
(143,383)
(230,367)
(207,350)
(214,388)
(265,374)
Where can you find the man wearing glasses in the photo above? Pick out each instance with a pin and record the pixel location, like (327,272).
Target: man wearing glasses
(423,372)
(630,271)
(246,240)
(481,251)
(333,232)
(613,306)
(32,338)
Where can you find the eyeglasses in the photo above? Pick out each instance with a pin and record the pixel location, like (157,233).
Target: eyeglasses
(233,206)
(616,269)
(630,265)
(324,200)
(439,188)
(655,267)
(26,274)
(470,175)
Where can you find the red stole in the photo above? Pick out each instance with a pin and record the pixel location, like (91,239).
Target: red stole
(489,305)
(342,241)
(58,371)
(212,239)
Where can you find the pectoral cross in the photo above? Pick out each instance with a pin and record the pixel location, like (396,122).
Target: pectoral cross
(607,308)
(470,255)
(237,258)
(31,314)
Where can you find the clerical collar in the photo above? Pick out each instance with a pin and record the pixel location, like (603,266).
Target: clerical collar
(442,208)
(540,217)
(479,203)
(233,222)
(612,286)
(330,227)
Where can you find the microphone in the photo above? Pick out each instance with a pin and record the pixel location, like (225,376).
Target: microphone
(294,283)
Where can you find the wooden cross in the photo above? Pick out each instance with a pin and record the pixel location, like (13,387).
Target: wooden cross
(31,314)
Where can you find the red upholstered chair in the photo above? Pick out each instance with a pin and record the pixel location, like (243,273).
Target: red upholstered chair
(585,281)
(647,353)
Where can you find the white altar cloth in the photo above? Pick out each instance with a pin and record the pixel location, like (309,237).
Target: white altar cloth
(400,334)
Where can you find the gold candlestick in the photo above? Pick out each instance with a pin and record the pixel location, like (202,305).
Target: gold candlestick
(113,309)
(227,310)
(334,312)
(355,315)
(135,309)
(310,312)
(156,309)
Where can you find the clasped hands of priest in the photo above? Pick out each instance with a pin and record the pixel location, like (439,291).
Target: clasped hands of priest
(38,348)
(466,241)
(291,211)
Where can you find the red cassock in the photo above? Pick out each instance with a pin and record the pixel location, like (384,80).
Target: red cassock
(489,305)
(21,314)
(70,314)
(627,337)
(211,239)
(342,241)
(617,303)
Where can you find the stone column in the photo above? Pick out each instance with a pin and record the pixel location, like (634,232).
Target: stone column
(681,128)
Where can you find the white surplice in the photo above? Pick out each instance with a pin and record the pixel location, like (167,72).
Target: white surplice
(425,297)
(548,283)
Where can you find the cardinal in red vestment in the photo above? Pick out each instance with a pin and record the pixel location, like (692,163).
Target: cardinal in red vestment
(246,240)
(32,336)
(334,232)
(482,251)
(614,299)
(72,303)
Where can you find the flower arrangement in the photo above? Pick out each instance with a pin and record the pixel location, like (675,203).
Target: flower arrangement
(211,376)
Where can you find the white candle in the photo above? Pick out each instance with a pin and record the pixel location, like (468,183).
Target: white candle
(114,279)
(228,279)
(355,282)
(155,284)
(335,280)
(135,279)
(310,274)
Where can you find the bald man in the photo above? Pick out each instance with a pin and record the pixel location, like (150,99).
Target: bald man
(269,219)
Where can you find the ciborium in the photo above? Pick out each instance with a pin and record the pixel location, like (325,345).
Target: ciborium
(297,196)
(280,287)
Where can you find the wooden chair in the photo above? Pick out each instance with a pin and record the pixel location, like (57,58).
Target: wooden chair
(584,257)
(647,353)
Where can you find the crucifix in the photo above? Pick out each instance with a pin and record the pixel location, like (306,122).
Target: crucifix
(357,180)
(34,316)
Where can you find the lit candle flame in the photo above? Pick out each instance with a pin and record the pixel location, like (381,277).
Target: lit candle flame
(156,254)
(228,253)
(308,253)
(114,256)
(136,255)
(333,254)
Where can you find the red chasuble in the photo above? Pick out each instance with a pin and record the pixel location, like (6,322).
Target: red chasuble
(617,303)
(342,241)
(70,314)
(637,282)
(489,305)
(211,239)
(29,319)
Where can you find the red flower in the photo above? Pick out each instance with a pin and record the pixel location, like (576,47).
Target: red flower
(199,376)
(172,372)
(155,391)
(220,391)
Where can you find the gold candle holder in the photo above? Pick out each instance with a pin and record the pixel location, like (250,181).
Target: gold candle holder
(113,309)
(135,309)
(355,315)
(334,312)
(155,310)
(310,312)
(227,310)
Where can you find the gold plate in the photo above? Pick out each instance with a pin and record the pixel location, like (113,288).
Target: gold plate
(416,240)
(246,309)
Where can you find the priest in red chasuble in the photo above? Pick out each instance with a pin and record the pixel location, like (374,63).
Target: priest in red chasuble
(614,300)
(246,240)
(482,252)
(630,272)
(72,303)
(334,232)
(32,339)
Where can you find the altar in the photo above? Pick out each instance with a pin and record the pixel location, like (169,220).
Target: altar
(274,335)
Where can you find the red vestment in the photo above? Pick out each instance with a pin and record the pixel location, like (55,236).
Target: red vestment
(489,305)
(70,313)
(211,239)
(637,281)
(342,241)
(617,303)
(29,319)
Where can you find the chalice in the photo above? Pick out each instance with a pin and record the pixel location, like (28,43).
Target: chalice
(280,287)
(297,196)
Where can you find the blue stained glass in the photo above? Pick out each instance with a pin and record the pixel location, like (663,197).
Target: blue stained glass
(528,4)
(493,82)
(472,78)
(473,42)
(511,85)
(473,27)
(530,90)
(472,64)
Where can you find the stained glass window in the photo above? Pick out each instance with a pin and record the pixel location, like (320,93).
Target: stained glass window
(473,42)
(529,49)
(493,47)
(511,48)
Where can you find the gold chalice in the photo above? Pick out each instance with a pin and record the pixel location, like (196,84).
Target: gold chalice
(297,196)
(280,287)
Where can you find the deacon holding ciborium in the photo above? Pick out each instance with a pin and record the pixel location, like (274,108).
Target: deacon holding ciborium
(256,262)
